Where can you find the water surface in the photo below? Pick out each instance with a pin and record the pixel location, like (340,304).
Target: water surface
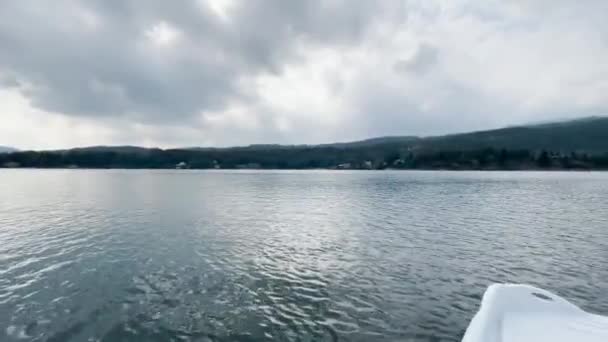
(112,255)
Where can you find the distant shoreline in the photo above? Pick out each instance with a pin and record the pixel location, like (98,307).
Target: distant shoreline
(579,145)
(308,169)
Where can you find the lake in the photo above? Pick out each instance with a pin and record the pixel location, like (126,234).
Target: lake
(120,255)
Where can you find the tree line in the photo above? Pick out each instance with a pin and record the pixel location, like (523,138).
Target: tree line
(371,157)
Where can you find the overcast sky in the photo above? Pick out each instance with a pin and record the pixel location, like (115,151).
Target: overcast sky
(228,72)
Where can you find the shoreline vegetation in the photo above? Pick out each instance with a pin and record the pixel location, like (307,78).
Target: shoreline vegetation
(374,158)
(571,145)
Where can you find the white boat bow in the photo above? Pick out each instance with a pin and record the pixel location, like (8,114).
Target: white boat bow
(523,313)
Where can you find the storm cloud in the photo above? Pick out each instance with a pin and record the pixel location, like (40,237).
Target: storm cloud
(228,72)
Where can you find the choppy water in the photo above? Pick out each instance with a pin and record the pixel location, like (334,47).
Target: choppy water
(304,256)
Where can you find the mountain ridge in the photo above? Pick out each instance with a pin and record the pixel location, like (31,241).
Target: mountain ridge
(465,140)
(580,144)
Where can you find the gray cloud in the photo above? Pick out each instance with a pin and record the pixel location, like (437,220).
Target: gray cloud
(107,71)
(421,62)
(303,71)
(8,81)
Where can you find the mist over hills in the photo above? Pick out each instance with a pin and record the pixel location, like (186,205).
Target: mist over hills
(7,149)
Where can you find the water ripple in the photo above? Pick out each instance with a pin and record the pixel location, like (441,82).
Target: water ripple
(291,256)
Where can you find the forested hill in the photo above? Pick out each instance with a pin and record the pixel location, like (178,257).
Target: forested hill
(585,135)
(578,144)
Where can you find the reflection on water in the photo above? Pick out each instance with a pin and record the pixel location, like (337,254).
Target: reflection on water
(300,255)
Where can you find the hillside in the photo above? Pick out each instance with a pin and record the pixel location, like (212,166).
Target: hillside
(578,144)
(584,135)
(341,145)
(116,149)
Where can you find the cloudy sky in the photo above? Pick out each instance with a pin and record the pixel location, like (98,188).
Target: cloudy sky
(230,72)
